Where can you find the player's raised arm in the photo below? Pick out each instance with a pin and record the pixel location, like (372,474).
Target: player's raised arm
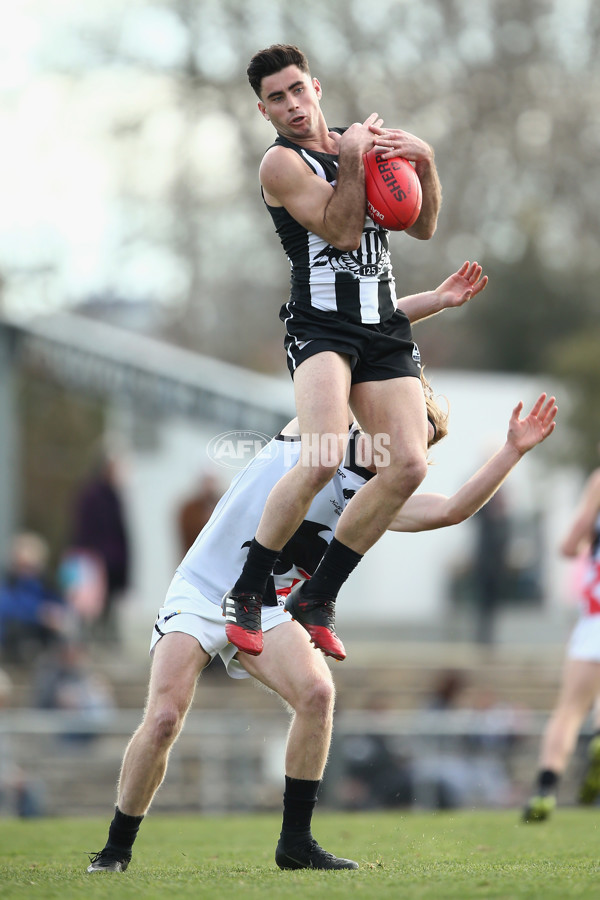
(453,292)
(579,536)
(425,512)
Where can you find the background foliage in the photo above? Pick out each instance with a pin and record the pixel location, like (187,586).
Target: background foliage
(145,140)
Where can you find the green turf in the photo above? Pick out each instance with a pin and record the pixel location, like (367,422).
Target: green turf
(402,855)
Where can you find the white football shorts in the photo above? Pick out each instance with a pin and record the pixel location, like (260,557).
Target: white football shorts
(187,610)
(584,642)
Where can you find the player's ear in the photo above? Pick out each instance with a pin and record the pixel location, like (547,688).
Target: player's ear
(317,87)
(263,110)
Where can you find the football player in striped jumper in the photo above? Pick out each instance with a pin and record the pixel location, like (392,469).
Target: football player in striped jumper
(346,340)
(189,630)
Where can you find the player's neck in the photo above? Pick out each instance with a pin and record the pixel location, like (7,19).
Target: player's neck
(317,140)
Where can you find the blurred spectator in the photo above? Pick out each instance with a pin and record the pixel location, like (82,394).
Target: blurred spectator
(447,690)
(100,538)
(20,794)
(65,681)
(195,512)
(32,615)
(376,775)
(464,751)
(491,564)
(497,725)
(82,578)
(452,779)
(373,769)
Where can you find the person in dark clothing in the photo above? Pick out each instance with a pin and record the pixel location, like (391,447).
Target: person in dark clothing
(100,529)
(491,565)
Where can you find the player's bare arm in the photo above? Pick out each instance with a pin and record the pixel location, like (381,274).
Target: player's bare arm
(578,538)
(395,142)
(335,214)
(425,512)
(425,226)
(453,292)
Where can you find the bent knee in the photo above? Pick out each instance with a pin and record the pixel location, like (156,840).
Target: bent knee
(403,476)
(317,698)
(322,455)
(416,471)
(317,475)
(164,724)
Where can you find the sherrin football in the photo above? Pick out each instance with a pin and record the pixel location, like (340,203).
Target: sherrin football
(394,194)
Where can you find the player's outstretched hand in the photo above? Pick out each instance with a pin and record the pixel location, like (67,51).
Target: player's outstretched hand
(523,434)
(462,285)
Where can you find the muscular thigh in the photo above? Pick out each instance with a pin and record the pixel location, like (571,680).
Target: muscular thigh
(289,664)
(177,662)
(394,408)
(580,684)
(321,388)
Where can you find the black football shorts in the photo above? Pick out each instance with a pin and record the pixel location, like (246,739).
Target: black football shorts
(377,352)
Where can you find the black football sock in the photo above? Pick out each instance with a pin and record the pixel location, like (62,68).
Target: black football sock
(122,833)
(257,568)
(333,570)
(299,800)
(547,781)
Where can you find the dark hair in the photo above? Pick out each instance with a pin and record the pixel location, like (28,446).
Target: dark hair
(272,60)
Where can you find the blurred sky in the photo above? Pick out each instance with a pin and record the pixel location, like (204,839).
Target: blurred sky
(66,105)
(62,152)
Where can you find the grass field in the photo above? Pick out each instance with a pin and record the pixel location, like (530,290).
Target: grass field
(402,855)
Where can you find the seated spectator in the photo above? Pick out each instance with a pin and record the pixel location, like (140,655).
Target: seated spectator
(447,690)
(20,793)
(64,680)
(32,615)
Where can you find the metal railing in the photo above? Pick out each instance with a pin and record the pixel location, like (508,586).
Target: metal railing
(225,761)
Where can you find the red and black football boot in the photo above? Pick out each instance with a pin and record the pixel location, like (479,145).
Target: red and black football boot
(243,621)
(318,618)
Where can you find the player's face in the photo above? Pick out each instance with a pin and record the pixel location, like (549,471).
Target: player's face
(290,101)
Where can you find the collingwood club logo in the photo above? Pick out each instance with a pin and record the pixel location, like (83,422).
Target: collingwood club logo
(235,449)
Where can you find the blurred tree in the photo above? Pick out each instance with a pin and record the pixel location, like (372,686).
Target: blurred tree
(506,92)
(145,129)
(577,361)
(61,434)
(511,327)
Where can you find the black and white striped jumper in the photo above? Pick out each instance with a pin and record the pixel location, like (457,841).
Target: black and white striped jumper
(358,284)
